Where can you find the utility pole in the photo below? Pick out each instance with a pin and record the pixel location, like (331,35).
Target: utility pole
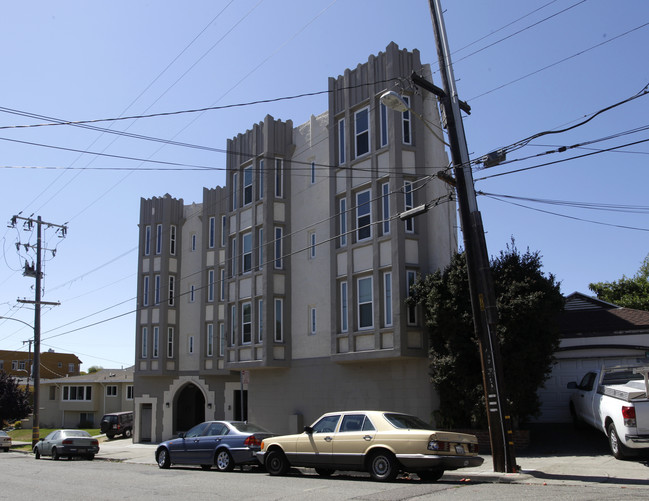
(37,273)
(483,301)
(29,361)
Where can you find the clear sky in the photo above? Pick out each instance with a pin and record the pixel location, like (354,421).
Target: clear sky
(524,67)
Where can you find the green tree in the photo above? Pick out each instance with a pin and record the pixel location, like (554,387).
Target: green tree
(528,305)
(14,401)
(628,292)
(94,368)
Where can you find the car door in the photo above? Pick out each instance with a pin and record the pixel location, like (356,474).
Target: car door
(583,402)
(183,451)
(314,448)
(48,441)
(355,435)
(204,446)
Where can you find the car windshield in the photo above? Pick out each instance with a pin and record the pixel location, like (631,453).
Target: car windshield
(404,421)
(247,427)
(76,433)
(3,434)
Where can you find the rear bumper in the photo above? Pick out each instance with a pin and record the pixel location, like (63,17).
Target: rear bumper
(637,441)
(245,455)
(78,451)
(429,461)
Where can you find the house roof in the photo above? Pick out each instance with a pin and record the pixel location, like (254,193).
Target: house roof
(101,376)
(586,316)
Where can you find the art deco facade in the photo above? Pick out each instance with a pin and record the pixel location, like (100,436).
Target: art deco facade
(281,295)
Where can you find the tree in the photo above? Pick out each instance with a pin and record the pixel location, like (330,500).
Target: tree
(628,292)
(528,305)
(94,368)
(14,402)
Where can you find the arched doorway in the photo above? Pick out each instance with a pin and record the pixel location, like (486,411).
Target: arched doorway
(189,408)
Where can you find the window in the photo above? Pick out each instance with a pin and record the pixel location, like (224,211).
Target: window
(233,326)
(170,342)
(246,264)
(260,320)
(279,320)
(156,342)
(385,207)
(172,240)
(408,203)
(210,340)
(21,365)
(278,248)
(343,307)
(384,124)
(363,215)
(343,221)
(2,365)
(312,172)
(362,131)
(157,289)
(147,240)
(14,365)
(411,277)
(221,340)
(222,285)
(365,304)
(129,392)
(387,299)
(260,184)
(405,122)
(145,292)
(279,178)
(71,368)
(111,390)
(312,244)
(193,242)
(313,320)
(260,248)
(341,141)
(192,293)
(234,256)
(77,393)
(212,232)
(224,230)
(210,285)
(190,345)
(158,239)
(145,342)
(235,188)
(246,323)
(172,287)
(247,185)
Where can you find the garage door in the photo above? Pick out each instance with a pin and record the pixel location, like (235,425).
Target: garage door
(555,397)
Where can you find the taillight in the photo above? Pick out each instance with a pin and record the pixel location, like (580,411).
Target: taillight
(628,413)
(67,441)
(252,441)
(94,442)
(438,445)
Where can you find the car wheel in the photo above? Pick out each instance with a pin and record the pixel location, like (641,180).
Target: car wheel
(324,472)
(90,457)
(430,475)
(164,461)
(37,453)
(55,454)
(276,463)
(128,433)
(110,437)
(383,466)
(576,422)
(618,449)
(223,460)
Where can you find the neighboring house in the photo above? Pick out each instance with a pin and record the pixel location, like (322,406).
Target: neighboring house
(53,364)
(594,333)
(82,400)
(281,295)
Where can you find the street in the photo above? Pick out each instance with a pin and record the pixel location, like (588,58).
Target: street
(25,478)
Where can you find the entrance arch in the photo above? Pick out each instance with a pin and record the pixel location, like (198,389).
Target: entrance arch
(189,408)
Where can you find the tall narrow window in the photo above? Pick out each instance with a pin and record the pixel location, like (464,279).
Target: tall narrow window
(405,122)
(158,239)
(341,141)
(279,178)
(385,207)
(193,244)
(312,172)
(170,342)
(145,291)
(313,320)
(210,285)
(260,320)
(190,345)
(362,131)
(156,342)
(145,342)
(365,303)
(343,222)
(408,203)
(234,257)
(147,240)
(384,124)
(222,285)
(246,264)
(235,189)
(212,232)
(221,339)
(363,215)
(260,184)
(172,289)
(312,244)
(260,247)
(411,276)
(344,308)
(172,240)
(156,279)
(247,185)
(246,323)
(224,230)
(387,299)
(209,348)
(279,320)
(233,326)
(192,293)
(278,248)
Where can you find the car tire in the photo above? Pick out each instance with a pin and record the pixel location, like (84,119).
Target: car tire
(383,466)
(128,433)
(276,463)
(577,423)
(90,457)
(37,453)
(223,460)
(55,454)
(430,475)
(163,459)
(324,472)
(618,449)
(110,437)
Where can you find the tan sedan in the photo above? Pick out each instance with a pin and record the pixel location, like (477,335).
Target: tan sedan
(381,443)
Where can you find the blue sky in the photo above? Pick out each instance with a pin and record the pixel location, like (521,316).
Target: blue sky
(524,67)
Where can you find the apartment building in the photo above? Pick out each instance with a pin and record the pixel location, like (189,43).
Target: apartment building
(53,364)
(281,295)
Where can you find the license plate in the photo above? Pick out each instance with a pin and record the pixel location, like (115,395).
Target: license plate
(459,449)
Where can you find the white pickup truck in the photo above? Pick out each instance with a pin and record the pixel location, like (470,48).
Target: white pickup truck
(616,401)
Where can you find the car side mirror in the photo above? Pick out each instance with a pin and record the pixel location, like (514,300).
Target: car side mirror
(41,439)
(308,430)
(572,385)
(181,434)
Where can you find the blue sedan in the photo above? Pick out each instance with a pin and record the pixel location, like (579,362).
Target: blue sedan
(223,444)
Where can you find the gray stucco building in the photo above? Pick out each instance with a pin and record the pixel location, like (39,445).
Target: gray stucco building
(281,295)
